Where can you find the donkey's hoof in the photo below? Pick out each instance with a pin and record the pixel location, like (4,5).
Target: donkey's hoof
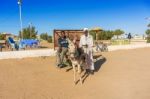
(81,82)
(74,83)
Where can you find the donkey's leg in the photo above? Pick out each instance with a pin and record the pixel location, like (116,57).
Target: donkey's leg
(79,73)
(74,73)
(82,61)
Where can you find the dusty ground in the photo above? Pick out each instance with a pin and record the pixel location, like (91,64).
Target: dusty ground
(121,75)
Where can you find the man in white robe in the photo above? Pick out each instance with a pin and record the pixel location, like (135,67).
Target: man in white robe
(86,43)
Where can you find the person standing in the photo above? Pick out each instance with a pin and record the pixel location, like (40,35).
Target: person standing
(86,43)
(129,37)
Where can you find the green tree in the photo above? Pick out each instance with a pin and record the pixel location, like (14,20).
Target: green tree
(46,37)
(2,36)
(148,25)
(105,35)
(148,32)
(93,34)
(102,35)
(109,34)
(148,35)
(118,32)
(49,39)
(28,33)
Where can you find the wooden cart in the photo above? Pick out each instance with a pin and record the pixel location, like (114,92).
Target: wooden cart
(68,33)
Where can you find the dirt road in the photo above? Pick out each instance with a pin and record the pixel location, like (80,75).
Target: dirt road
(121,75)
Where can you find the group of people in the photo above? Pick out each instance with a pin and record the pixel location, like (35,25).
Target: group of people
(86,43)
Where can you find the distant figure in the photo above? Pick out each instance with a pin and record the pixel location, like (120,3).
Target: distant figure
(129,37)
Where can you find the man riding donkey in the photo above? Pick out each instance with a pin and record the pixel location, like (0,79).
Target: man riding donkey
(86,43)
(81,56)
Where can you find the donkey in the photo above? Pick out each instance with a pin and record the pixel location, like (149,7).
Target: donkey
(75,60)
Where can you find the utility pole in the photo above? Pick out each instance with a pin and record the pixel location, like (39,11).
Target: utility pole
(20,14)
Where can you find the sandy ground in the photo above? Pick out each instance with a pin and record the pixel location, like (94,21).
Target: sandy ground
(120,75)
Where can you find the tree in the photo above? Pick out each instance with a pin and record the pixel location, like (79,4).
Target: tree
(102,35)
(148,35)
(93,34)
(2,36)
(29,33)
(46,37)
(49,39)
(148,32)
(148,25)
(109,34)
(118,32)
(105,35)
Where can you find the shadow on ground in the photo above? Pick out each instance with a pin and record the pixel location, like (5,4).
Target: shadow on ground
(99,62)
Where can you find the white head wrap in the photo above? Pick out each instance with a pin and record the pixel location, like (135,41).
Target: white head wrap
(85,29)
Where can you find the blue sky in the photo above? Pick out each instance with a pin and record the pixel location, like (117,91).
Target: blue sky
(47,15)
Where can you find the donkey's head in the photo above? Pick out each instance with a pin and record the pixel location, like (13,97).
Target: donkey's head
(72,50)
